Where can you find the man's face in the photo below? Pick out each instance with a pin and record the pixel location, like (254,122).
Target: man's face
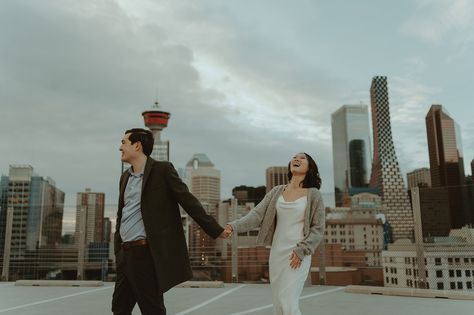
(129,150)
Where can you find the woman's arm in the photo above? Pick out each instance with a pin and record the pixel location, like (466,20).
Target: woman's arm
(316,231)
(254,218)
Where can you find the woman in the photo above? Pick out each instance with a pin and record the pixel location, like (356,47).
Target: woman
(292,220)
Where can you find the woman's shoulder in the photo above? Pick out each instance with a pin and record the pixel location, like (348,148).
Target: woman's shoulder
(276,189)
(315,193)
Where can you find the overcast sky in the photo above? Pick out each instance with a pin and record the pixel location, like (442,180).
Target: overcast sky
(249,83)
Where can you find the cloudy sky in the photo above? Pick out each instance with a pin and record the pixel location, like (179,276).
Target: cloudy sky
(249,83)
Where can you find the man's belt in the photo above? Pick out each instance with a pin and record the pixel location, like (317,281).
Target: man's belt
(128,245)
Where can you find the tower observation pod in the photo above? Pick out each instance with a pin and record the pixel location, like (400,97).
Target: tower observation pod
(156,120)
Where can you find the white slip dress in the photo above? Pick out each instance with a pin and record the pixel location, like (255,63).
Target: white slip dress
(287,283)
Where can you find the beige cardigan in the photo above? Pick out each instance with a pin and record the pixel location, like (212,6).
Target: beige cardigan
(264,216)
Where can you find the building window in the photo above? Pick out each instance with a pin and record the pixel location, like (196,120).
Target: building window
(466,260)
(440,285)
(458,273)
(453,285)
(459,285)
(439,273)
(468,273)
(450,261)
(386,280)
(451,273)
(469,285)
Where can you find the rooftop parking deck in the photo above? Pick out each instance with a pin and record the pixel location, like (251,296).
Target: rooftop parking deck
(231,299)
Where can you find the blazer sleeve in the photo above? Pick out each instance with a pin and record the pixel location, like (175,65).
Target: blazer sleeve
(190,204)
(254,218)
(316,230)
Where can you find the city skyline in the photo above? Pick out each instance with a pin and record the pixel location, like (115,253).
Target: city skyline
(75,77)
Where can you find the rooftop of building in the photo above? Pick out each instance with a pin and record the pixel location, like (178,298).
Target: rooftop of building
(231,299)
(202,160)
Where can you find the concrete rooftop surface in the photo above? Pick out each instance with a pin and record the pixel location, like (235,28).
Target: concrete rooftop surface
(231,299)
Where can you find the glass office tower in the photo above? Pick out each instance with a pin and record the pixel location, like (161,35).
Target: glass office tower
(352,156)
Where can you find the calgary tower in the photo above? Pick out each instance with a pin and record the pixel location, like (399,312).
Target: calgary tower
(156,120)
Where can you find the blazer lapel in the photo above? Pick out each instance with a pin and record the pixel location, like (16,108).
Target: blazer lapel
(146,172)
(123,184)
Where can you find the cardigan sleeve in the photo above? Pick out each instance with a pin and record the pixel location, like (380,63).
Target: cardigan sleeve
(254,218)
(316,230)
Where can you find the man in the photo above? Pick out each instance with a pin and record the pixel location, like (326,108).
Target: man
(150,246)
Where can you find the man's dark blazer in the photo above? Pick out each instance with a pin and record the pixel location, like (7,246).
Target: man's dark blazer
(162,191)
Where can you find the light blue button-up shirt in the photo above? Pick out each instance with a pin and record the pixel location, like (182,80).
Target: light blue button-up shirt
(131,225)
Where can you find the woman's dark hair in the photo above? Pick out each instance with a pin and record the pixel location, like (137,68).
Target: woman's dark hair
(312,178)
(144,136)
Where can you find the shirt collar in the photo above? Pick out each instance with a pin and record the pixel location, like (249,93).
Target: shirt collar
(138,174)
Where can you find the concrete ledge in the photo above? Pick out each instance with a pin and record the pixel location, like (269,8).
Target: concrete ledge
(426,293)
(201,284)
(58,283)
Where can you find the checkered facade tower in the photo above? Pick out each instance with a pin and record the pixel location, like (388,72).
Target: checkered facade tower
(386,176)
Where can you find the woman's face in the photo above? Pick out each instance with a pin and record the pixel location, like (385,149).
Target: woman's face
(299,164)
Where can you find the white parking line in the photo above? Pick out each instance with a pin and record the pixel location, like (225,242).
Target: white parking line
(321,293)
(301,298)
(51,300)
(6,284)
(210,300)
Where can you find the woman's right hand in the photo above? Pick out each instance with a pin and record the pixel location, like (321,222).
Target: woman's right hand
(228,230)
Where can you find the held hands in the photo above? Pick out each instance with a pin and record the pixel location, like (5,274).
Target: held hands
(227,231)
(295,261)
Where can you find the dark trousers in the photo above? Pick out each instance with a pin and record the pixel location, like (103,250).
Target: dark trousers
(136,283)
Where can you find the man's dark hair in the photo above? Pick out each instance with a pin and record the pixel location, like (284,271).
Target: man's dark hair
(145,137)
(311,178)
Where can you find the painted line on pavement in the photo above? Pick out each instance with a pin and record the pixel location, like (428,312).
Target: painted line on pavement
(210,300)
(52,300)
(301,298)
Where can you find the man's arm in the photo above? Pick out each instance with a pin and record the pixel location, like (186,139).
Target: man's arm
(190,204)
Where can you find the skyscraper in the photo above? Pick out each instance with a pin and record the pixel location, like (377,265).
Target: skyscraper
(351,151)
(3,211)
(419,177)
(245,194)
(472,168)
(204,180)
(93,203)
(446,161)
(445,148)
(276,175)
(386,176)
(38,208)
(107,230)
(204,183)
